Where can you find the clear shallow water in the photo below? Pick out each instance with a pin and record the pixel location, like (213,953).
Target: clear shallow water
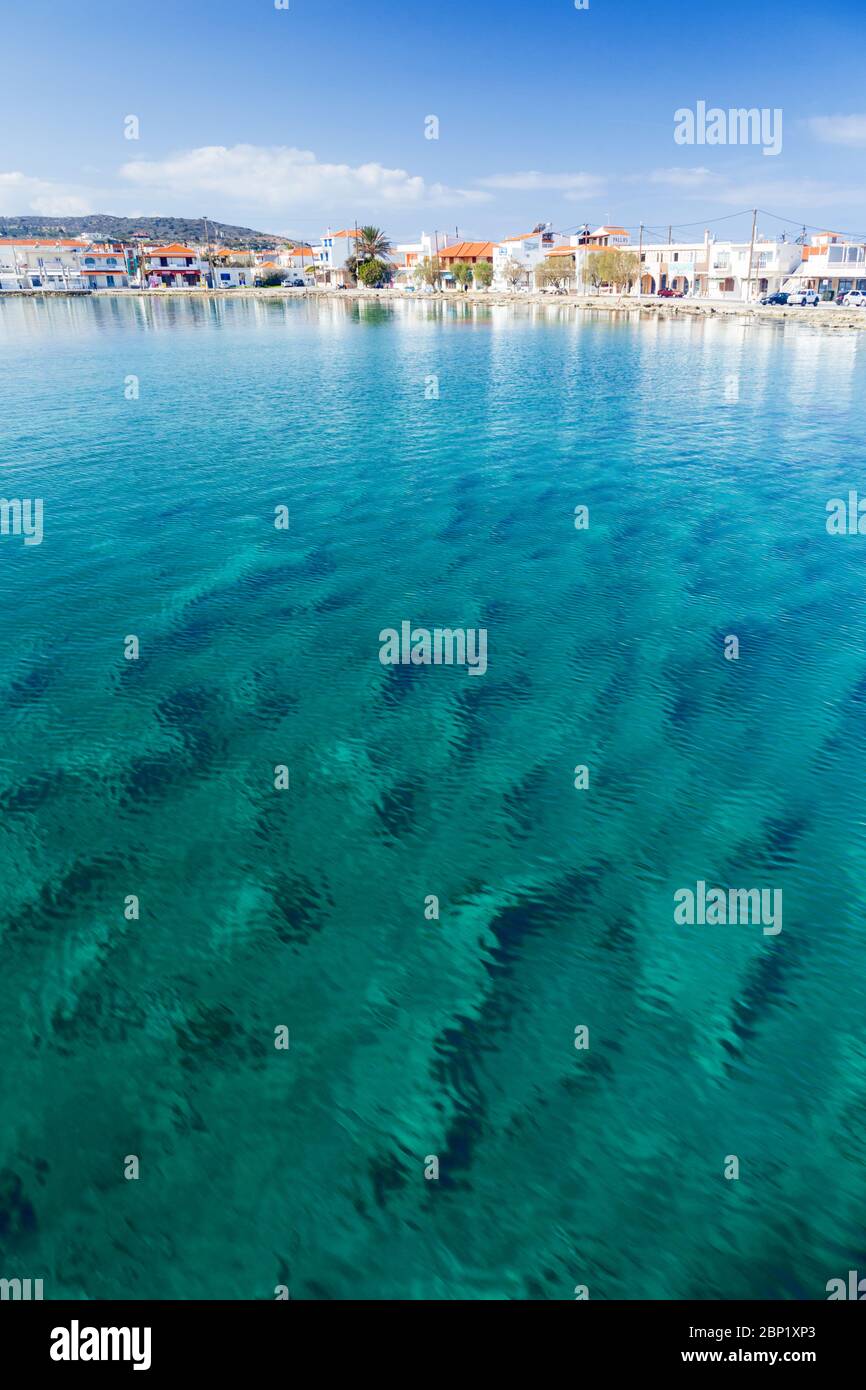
(258,647)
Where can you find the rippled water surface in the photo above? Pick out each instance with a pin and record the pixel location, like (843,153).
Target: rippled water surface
(706,454)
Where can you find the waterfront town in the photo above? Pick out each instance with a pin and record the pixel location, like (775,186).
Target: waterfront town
(825,266)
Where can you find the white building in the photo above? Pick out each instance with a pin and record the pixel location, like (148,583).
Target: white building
(331,256)
(28,263)
(526,251)
(679,266)
(233,277)
(173,267)
(714,269)
(728,270)
(105,268)
(831,265)
(584,243)
(408,255)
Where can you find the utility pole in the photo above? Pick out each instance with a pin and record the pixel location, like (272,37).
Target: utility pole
(751,255)
(670,236)
(640,264)
(208,257)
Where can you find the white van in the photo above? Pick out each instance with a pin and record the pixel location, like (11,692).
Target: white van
(803,297)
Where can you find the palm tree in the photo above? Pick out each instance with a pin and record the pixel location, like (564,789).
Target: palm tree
(372,244)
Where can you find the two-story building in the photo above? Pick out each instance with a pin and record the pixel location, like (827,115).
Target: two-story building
(408,255)
(107,267)
(744,270)
(470,251)
(526,252)
(331,257)
(680,266)
(831,264)
(173,267)
(32,263)
(575,254)
(736,270)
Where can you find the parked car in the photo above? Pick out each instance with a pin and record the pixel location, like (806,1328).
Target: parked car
(854,299)
(295,284)
(670,294)
(801,297)
(779,297)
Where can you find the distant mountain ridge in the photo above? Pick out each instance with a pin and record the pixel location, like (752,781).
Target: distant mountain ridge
(123,228)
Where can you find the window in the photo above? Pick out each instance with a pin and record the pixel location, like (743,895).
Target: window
(88,260)
(112,260)
(835,254)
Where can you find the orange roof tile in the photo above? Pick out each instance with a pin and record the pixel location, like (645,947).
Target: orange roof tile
(173,250)
(467,250)
(42,241)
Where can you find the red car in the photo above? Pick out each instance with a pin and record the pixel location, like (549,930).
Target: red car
(670,294)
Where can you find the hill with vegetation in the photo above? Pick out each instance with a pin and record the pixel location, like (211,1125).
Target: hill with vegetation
(99,224)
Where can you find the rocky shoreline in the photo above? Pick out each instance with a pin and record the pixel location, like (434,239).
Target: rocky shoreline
(824,315)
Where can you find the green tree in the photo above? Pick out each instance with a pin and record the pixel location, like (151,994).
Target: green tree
(596,269)
(462,272)
(556,272)
(429,272)
(627,268)
(373,273)
(483,275)
(272,278)
(372,244)
(514,273)
(611,266)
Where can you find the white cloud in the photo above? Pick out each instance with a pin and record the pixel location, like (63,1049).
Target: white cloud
(529,180)
(682,178)
(21,193)
(284,178)
(839,130)
(780,194)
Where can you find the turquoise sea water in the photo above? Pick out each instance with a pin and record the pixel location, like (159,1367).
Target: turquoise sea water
(706,453)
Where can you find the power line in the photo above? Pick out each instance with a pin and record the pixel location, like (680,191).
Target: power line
(810,226)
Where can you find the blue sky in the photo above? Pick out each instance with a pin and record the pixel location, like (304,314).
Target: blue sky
(292,120)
